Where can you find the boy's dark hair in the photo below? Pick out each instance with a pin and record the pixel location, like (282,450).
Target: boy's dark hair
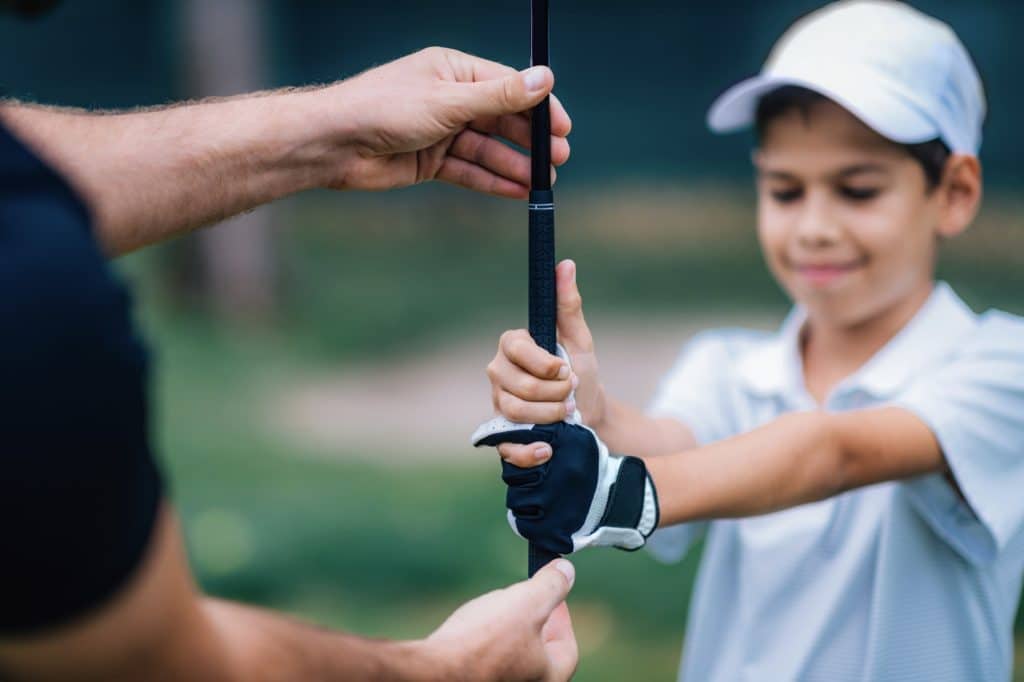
(932,155)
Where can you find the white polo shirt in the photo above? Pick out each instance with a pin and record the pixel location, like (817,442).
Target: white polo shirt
(895,581)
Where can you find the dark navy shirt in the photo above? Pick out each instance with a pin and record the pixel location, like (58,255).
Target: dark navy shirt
(79,489)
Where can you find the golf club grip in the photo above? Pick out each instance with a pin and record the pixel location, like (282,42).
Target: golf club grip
(542,302)
(542,269)
(539,558)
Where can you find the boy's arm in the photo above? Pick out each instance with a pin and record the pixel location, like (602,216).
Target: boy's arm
(798,458)
(627,429)
(150,175)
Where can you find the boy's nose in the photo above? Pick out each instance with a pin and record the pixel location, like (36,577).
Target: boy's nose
(816,226)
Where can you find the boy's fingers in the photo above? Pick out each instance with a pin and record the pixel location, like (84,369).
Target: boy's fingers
(510,377)
(523,412)
(525,456)
(519,347)
(573,331)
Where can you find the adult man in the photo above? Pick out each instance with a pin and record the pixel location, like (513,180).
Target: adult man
(93,582)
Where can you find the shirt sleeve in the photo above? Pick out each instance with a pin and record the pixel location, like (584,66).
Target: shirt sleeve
(696,390)
(696,393)
(974,406)
(79,490)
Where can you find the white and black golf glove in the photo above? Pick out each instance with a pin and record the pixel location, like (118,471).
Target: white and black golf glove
(580,497)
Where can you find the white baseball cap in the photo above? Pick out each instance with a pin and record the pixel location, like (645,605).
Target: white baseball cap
(904,74)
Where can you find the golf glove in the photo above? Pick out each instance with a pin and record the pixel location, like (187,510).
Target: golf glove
(580,497)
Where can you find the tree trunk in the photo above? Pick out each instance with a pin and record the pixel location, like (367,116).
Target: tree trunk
(225,54)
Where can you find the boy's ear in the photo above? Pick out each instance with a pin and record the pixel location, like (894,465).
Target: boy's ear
(959,194)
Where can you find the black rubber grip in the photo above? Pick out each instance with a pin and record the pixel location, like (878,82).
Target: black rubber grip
(539,558)
(542,269)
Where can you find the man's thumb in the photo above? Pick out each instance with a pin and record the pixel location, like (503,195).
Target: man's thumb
(550,586)
(573,331)
(512,94)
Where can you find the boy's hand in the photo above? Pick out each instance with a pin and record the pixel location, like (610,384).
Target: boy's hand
(581,497)
(530,385)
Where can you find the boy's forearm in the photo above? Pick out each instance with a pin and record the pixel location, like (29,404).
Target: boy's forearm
(627,430)
(799,458)
(151,174)
(265,646)
(791,461)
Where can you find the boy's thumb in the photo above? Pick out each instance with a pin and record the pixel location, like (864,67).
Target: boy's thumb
(512,94)
(573,331)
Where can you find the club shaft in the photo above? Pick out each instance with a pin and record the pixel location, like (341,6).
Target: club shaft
(543,310)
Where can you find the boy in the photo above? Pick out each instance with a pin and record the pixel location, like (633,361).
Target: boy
(859,475)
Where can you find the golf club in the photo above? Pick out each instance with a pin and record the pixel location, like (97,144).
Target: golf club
(542,303)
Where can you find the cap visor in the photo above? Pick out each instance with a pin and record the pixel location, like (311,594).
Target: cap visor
(888,114)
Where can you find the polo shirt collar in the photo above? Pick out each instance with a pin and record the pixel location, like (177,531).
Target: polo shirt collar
(776,368)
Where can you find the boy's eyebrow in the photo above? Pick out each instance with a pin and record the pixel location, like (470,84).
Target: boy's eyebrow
(859,168)
(846,172)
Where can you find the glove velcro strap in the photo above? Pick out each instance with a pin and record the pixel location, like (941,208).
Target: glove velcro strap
(626,496)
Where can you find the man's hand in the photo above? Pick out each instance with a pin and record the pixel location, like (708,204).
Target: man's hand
(522,632)
(436,114)
(152,174)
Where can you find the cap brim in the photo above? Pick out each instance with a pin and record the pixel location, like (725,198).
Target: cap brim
(891,116)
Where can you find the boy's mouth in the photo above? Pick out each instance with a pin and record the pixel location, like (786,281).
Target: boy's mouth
(820,274)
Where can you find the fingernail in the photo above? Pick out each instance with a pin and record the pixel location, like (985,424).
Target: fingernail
(534,78)
(567,569)
(542,452)
(563,372)
(575,382)
(570,406)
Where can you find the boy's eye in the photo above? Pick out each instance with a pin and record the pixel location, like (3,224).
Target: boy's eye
(785,196)
(859,193)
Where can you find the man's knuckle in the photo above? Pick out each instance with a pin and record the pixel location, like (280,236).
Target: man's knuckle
(508,92)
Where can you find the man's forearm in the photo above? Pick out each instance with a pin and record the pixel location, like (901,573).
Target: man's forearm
(151,174)
(799,458)
(265,646)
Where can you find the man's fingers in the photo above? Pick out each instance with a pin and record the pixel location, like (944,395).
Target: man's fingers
(516,129)
(471,69)
(525,456)
(506,95)
(560,645)
(549,588)
(573,331)
(519,347)
(466,174)
(491,155)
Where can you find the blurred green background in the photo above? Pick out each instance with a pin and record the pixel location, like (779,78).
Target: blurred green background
(289,390)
